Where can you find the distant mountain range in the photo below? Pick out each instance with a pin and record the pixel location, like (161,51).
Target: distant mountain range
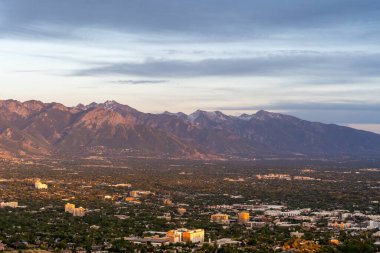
(110,129)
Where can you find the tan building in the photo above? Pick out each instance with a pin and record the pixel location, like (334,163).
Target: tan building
(69,208)
(12,204)
(130,199)
(181,211)
(134,194)
(341,225)
(39,185)
(167,202)
(220,218)
(78,212)
(196,235)
(185,235)
(3,246)
(174,236)
(137,194)
(243,218)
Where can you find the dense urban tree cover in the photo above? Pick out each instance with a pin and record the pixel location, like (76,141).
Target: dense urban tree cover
(40,221)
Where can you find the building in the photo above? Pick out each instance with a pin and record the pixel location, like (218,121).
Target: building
(373,224)
(134,194)
(154,241)
(123,185)
(130,199)
(181,211)
(374,217)
(291,213)
(167,202)
(220,218)
(185,235)
(137,194)
(174,236)
(226,241)
(341,225)
(297,234)
(274,176)
(196,235)
(12,204)
(2,246)
(78,212)
(69,208)
(39,185)
(273,213)
(243,217)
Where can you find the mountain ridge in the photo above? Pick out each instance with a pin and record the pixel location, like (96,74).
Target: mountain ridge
(36,129)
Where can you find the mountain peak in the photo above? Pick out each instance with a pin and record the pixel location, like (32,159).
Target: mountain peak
(111,102)
(111,105)
(213,116)
(245,116)
(262,115)
(263,112)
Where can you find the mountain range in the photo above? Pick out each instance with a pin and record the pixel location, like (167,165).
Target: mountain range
(110,129)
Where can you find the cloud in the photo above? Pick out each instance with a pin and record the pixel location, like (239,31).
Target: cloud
(291,43)
(310,106)
(319,66)
(375,128)
(353,112)
(202,19)
(139,81)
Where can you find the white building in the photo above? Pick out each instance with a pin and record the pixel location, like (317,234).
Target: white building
(291,213)
(297,234)
(226,241)
(272,212)
(374,217)
(374,224)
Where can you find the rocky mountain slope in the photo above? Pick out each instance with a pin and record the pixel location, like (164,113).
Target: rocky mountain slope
(39,129)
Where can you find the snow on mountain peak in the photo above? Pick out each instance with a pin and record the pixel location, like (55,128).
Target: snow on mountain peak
(214,116)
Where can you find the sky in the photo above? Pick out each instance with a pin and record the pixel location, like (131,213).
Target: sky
(318,59)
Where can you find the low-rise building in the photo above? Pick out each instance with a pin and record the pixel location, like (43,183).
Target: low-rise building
(185,235)
(69,208)
(195,235)
(273,213)
(226,241)
(39,185)
(167,202)
(220,218)
(297,234)
(373,224)
(291,213)
(137,194)
(174,236)
(181,211)
(154,241)
(2,246)
(78,212)
(12,204)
